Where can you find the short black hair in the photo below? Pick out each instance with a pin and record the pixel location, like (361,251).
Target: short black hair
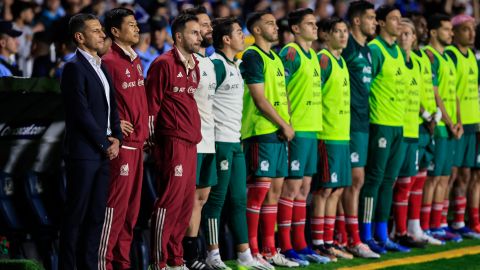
(383,11)
(327,25)
(435,21)
(178,24)
(477,37)
(255,17)
(114,18)
(358,8)
(296,17)
(77,23)
(222,27)
(196,11)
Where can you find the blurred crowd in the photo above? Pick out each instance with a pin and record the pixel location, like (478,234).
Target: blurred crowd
(43,46)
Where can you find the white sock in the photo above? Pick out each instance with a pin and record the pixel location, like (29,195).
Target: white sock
(213,253)
(414,227)
(317,242)
(457,225)
(245,256)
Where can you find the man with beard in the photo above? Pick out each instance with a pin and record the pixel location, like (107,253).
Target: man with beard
(265,131)
(467,93)
(387,107)
(439,169)
(361,15)
(126,171)
(302,72)
(206,168)
(174,124)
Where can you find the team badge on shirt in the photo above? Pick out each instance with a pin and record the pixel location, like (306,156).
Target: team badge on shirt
(127,73)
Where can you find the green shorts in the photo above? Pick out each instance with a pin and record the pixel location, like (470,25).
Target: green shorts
(424,140)
(227,154)
(358,149)
(334,169)
(443,150)
(410,162)
(465,148)
(477,151)
(265,159)
(206,170)
(302,155)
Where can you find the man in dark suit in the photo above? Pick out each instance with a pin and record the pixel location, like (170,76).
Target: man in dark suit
(92,138)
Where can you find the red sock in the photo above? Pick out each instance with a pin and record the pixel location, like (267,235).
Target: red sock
(341,230)
(352,229)
(400,204)
(329,226)
(473,217)
(268,216)
(298,224)
(425,216)
(255,196)
(284,223)
(415,198)
(459,205)
(436,216)
(317,230)
(444,222)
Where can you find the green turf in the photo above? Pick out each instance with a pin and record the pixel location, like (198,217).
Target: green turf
(469,262)
(390,255)
(7,264)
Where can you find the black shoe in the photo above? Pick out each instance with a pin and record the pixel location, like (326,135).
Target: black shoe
(408,241)
(197,265)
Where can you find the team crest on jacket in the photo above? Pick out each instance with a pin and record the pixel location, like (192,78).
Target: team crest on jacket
(194,77)
(179,170)
(127,72)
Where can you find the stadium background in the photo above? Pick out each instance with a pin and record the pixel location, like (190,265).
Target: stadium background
(32,177)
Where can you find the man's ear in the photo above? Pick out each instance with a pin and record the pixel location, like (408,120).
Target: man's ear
(79,37)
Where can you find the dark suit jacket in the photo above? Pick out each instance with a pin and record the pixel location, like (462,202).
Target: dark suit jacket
(86,110)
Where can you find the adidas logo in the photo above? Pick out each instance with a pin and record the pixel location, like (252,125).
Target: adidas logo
(345,83)
(426,71)
(399,72)
(413,82)
(204,74)
(231,74)
(180,75)
(451,72)
(360,56)
(470,72)
(279,73)
(315,73)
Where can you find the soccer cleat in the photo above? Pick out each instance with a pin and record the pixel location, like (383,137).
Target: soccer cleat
(427,238)
(466,232)
(197,265)
(339,252)
(294,257)
(310,255)
(256,263)
(363,251)
(216,263)
(444,235)
(279,259)
(322,251)
(392,246)
(410,242)
(375,247)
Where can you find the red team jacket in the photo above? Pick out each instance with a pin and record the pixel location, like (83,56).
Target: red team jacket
(131,98)
(172,109)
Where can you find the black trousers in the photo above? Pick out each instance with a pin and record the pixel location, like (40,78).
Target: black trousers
(87,190)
